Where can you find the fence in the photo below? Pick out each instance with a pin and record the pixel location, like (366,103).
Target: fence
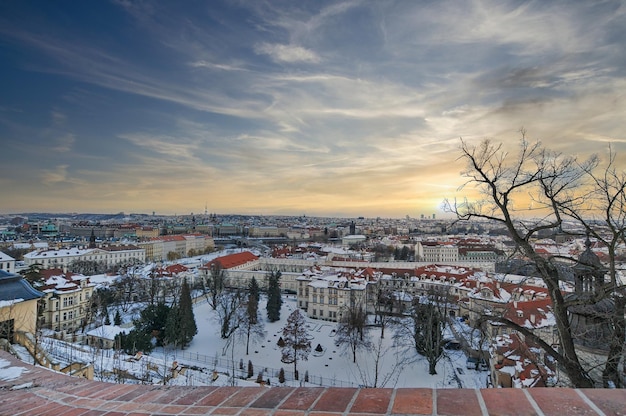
(225,364)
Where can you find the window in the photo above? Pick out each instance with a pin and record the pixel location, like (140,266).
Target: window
(65,316)
(321,299)
(314,312)
(321,312)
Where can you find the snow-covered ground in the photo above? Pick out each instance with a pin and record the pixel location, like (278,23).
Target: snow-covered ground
(398,365)
(207,360)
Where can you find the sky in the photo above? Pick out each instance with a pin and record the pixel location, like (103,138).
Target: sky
(318,108)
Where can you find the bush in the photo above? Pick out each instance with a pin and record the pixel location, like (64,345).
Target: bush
(259,378)
(281,375)
(319,348)
(281,342)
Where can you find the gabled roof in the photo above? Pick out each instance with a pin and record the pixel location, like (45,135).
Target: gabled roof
(14,286)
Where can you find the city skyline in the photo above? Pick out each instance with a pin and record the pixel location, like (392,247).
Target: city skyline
(331,108)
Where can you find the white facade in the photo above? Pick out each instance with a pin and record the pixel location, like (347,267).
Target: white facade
(328,296)
(7,263)
(436,252)
(110,256)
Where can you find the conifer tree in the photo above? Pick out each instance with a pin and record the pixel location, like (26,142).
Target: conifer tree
(188,327)
(253,289)
(117,319)
(274,301)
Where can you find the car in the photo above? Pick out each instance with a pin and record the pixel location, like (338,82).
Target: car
(452,345)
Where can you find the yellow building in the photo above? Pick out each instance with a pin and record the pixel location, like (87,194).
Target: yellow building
(18,306)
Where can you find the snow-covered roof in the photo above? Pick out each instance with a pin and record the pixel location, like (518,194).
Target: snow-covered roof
(107,331)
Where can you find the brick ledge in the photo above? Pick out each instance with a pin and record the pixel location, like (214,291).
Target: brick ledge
(57,394)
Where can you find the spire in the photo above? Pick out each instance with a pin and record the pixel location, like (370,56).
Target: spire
(92,240)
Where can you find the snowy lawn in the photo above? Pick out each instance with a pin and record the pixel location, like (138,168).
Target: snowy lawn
(398,366)
(207,360)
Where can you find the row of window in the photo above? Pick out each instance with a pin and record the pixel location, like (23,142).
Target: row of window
(331,314)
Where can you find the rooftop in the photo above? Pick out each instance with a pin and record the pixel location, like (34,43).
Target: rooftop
(28,390)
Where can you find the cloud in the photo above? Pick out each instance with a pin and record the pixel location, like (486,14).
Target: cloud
(287,53)
(210,65)
(55,176)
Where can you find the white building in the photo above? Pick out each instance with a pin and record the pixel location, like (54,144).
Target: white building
(436,252)
(7,263)
(110,255)
(328,294)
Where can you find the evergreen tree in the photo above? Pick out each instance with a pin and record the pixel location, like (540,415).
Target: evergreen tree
(172,332)
(117,319)
(187,319)
(254,289)
(134,341)
(107,320)
(152,320)
(274,300)
(180,326)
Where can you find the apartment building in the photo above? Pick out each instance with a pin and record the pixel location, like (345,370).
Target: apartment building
(66,303)
(436,252)
(326,294)
(62,258)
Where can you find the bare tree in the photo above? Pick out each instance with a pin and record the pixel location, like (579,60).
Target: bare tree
(376,372)
(383,307)
(351,330)
(230,312)
(602,212)
(548,185)
(251,326)
(425,327)
(213,284)
(297,340)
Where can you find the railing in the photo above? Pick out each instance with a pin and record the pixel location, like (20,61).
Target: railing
(221,364)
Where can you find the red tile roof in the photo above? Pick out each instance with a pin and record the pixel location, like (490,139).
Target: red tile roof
(232,260)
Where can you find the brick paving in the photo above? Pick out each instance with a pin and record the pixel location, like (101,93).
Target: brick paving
(39,392)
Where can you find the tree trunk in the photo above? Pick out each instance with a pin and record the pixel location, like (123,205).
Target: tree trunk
(610,375)
(432,367)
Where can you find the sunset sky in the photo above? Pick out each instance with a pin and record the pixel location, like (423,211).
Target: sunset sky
(323,108)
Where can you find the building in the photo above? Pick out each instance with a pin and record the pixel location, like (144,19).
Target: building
(436,252)
(7,263)
(66,305)
(104,336)
(108,255)
(516,364)
(18,306)
(236,268)
(327,294)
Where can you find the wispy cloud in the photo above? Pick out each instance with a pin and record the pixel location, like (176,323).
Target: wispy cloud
(287,53)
